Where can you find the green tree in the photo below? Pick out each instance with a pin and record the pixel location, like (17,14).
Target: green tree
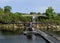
(1,14)
(1,11)
(7,12)
(7,9)
(32,12)
(18,17)
(50,12)
(38,13)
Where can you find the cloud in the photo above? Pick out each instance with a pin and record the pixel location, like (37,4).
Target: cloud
(31,5)
(41,9)
(4,1)
(1,1)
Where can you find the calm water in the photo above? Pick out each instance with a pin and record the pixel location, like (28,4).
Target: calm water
(20,39)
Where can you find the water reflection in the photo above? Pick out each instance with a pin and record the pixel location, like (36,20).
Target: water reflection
(29,36)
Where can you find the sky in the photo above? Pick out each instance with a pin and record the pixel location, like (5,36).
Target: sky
(26,6)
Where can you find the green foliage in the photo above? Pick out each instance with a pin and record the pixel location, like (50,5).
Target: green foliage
(7,9)
(38,13)
(1,14)
(50,12)
(32,12)
(1,11)
(7,16)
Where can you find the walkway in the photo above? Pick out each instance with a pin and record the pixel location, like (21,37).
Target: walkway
(45,36)
(48,37)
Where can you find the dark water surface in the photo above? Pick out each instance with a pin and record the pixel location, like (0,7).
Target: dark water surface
(20,39)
